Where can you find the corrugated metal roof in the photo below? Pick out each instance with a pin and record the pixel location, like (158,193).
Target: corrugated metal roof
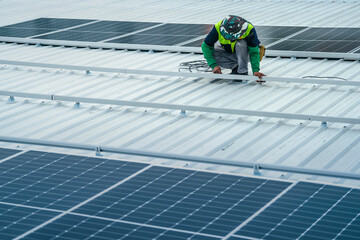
(283,142)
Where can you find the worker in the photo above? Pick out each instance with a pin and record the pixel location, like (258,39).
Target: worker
(239,41)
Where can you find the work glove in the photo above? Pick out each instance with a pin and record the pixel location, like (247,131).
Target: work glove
(262,51)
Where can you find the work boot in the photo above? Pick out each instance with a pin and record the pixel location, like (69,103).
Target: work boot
(234,71)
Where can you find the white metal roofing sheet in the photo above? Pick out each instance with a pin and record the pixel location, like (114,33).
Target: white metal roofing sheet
(244,138)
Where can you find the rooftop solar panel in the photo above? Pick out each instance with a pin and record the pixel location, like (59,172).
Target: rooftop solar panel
(337,34)
(50,23)
(22,32)
(71,35)
(81,227)
(6,152)
(58,181)
(186,200)
(270,34)
(49,195)
(115,26)
(178,29)
(15,220)
(309,211)
(315,46)
(152,39)
(196,43)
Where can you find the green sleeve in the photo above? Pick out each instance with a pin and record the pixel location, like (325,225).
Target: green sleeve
(209,54)
(254,54)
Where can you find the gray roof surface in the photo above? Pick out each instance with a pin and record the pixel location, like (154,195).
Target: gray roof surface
(254,139)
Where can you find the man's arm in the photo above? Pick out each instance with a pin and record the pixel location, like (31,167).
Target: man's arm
(208,50)
(254,53)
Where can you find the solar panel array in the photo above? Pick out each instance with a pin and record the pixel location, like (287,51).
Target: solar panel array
(313,39)
(47,195)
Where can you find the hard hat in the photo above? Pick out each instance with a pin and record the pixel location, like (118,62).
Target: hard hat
(233,27)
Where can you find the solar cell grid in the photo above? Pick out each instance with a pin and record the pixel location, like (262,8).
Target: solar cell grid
(22,32)
(58,181)
(71,35)
(185,200)
(315,46)
(163,203)
(152,39)
(115,26)
(6,152)
(307,211)
(80,227)
(15,220)
(351,34)
(50,23)
(177,29)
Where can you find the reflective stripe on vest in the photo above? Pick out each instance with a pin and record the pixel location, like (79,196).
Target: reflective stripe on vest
(223,41)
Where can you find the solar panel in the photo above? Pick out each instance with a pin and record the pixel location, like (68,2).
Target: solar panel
(337,34)
(22,32)
(185,200)
(6,152)
(315,46)
(71,35)
(80,227)
(152,39)
(49,195)
(115,26)
(309,211)
(196,43)
(270,34)
(58,181)
(50,23)
(177,29)
(322,40)
(287,38)
(15,220)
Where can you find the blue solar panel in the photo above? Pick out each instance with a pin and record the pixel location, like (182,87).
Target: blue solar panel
(309,211)
(186,200)
(80,227)
(15,220)
(48,195)
(6,152)
(58,181)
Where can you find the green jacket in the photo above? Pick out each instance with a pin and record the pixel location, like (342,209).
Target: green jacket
(250,36)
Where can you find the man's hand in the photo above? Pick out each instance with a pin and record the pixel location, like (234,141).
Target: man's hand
(259,75)
(217,70)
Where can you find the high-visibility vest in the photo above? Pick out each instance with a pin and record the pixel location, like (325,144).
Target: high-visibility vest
(224,41)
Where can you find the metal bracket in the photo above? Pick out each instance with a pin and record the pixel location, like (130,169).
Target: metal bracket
(11,99)
(183,113)
(77,105)
(98,151)
(257,169)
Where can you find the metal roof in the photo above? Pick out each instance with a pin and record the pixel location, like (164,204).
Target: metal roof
(275,140)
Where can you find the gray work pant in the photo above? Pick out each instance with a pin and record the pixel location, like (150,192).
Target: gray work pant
(239,58)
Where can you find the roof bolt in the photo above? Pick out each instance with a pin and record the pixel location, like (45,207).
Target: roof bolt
(183,113)
(11,99)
